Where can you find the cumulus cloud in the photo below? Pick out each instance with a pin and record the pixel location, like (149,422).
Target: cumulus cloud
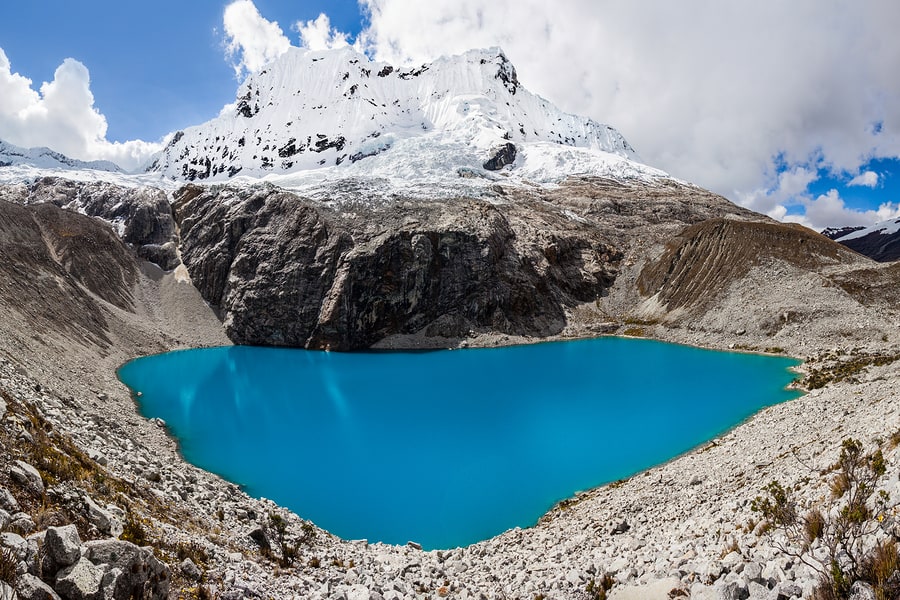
(251,40)
(320,35)
(724,94)
(830,210)
(866,179)
(61,116)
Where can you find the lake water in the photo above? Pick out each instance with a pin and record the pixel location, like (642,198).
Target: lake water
(450,447)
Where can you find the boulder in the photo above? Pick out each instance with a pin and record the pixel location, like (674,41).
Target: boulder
(103,519)
(63,546)
(14,542)
(8,501)
(30,587)
(27,476)
(190,570)
(139,574)
(80,581)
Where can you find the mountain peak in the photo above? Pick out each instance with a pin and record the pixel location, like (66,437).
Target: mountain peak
(337,109)
(45,158)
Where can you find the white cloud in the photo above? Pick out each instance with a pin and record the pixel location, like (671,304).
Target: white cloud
(320,35)
(250,38)
(61,116)
(720,93)
(867,179)
(830,210)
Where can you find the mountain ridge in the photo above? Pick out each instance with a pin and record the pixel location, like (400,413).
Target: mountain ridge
(308,111)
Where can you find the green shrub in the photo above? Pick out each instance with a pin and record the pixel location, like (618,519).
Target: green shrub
(858,513)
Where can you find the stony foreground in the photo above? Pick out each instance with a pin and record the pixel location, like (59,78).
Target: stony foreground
(685,525)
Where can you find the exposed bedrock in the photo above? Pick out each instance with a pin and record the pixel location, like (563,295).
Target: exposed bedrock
(289,271)
(142,216)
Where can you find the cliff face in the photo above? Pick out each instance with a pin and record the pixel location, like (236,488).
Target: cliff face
(288,271)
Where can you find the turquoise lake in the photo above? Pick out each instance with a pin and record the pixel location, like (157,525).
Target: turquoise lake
(450,447)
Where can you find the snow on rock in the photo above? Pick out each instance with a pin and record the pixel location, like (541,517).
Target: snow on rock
(889,227)
(336,115)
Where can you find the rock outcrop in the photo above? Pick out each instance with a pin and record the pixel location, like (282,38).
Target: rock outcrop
(285,270)
(142,216)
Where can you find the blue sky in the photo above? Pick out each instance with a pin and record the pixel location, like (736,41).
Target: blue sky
(155,66)
(802,123)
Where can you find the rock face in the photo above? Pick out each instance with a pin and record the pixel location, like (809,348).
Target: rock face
(287,271)
(142,216)
(504,155)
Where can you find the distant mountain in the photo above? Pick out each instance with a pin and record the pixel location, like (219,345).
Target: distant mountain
(460,115)
(45,158)
(833,233)
(880,241)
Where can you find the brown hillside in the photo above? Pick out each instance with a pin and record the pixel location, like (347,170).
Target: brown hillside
(704,259)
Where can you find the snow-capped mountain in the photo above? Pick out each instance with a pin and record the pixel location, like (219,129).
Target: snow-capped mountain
(880,241)
(45,158)
(337,110)
(833,233)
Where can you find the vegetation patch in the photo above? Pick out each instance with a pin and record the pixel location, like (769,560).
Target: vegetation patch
(836,366)
(845,541)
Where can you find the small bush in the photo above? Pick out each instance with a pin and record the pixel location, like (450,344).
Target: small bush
(133,531)
(857,513)
(814,525)
(599,589)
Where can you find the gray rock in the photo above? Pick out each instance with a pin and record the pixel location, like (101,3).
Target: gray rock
(96,456)
(80,581)
(140,573)
(790,590)
(734,591)
(753,572)
(190,570)
(63,546)
(14,542)
(27,476)
(21,523)
(105,520)
(258,535)
(861,591)
(30,587)
(500,157)
(7,592)
(621,527)
(8,501)
(5,519)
